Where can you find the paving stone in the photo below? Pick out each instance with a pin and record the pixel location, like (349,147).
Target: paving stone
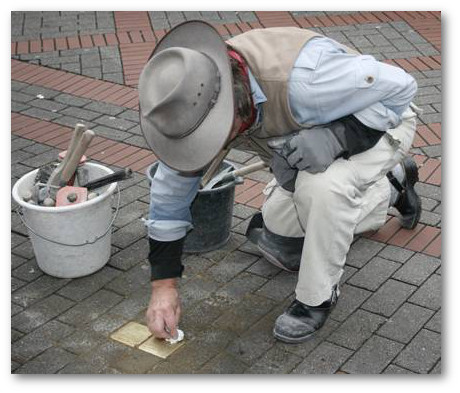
(275,361)
(80,113)
(434,151)
(392,369)
(28,271)
(223,364)
(16,283)
(131,194)
(81,341)
(243,211)
(136,362)
(405,323)
(356,329)
(42,159)
(395,253)
(37,148)
(263,268)
(90,308)
(362,251)
(100,360)
(131,255)
(373,356)
(325,359)
(279,287)
(417,269)
(15,309)
(197,289)
(71,121)
(240,286)
(197,351)
(38,289)
(350,299)
(71,100)
(41,114)
(80,288)
(49,362)
(40,313)
(131,280)
(428,191)
(131,212)
(374,273)
(436,369)
(422,353)
(129,234)
(39,340)
(242,316)
(435,323)
(389,297)
(230,266)
(34,90)
(20,143)
(429,294)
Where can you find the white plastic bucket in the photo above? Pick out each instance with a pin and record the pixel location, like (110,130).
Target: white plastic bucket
(70,241)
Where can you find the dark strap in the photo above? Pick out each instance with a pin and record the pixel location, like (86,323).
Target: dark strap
(395,182)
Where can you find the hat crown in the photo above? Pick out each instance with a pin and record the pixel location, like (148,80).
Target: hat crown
(178,88)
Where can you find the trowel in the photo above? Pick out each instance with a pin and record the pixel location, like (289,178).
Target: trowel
(228,175)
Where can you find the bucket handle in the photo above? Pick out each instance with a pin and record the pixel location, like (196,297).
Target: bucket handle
(114,216)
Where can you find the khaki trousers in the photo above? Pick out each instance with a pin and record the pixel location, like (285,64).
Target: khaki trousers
(329,208)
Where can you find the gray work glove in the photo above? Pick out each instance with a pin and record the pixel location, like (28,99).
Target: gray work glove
(284,174)
(313,150)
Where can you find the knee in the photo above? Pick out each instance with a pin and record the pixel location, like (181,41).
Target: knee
(325,190)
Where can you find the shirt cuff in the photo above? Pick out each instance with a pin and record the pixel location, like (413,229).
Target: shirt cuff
(165,259)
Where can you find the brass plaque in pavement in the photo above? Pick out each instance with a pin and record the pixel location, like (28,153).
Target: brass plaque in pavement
(131,334)
(160,348)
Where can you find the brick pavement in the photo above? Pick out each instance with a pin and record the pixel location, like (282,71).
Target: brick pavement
(84,66)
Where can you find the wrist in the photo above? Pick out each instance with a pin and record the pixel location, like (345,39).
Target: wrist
(165,283)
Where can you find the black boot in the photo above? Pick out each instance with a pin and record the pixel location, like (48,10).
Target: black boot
(300,321)
(408,203)
(282,251)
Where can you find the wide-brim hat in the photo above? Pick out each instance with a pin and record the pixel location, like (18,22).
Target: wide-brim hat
(186,97)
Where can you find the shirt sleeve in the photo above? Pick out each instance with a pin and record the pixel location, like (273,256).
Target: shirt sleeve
(171,195)
(327,83)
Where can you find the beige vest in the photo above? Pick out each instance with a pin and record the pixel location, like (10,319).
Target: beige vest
(271,54)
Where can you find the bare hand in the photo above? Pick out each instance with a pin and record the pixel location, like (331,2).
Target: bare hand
(164,309)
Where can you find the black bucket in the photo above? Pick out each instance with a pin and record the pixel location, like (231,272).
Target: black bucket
(212,212)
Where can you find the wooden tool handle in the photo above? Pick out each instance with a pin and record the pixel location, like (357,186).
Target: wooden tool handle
(213,167)
(249,169)
(55,178)
(74,160)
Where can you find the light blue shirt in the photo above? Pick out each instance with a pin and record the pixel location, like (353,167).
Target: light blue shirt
(326,84)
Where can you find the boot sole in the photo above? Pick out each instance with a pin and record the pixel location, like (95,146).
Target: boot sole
(290,340)
(274,261)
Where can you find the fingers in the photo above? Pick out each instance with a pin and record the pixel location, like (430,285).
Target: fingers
(163,323)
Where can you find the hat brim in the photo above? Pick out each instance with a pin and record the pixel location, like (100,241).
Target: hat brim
(197,150)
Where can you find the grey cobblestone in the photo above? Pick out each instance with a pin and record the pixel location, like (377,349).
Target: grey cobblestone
(395,253)
(374,273)
(39,340)
(422,353)
(325,359)
(362,251)
(90,308)
(417,269)
(373,356)
(349,300)
(40,288)
(429,294)
(130,256)
(49,362)
(275,361)
(356,329)
(80,288)
(405,323)
(279,287)
(132,280)
(27,271)
(435,323)
(389,297)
